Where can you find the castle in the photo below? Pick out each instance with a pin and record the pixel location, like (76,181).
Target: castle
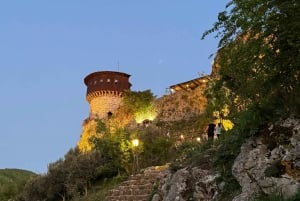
(104,92)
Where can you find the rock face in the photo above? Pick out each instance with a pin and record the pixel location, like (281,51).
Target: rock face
(267,164)
(187,184)
(271,162)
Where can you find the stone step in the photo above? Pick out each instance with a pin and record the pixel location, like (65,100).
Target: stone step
(132,190)
(132,183)
(137,187)
(128,198)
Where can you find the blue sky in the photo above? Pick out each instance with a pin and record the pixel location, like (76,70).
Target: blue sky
(48,47)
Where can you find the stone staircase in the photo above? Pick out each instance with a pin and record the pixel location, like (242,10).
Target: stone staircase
(138,187)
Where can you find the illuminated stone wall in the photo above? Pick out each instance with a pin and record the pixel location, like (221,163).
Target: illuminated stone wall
(182,104)
(100,106)
(186,102)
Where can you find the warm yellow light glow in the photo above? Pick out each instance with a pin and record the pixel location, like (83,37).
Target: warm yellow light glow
(148,112)
(182,137)
(141,116)
(198,139)
(226,123)
(236,99)
(225,111)
(89,130)
(135,142)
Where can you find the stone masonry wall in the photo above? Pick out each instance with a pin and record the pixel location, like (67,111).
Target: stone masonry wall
(182,104)
(101,105)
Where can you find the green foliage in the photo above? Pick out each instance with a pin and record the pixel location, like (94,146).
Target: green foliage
(100,189)
(125,149)
(136,101)
(191,153)
(259,71)
(67,178)
(157,149)
(12,182)
(228,148)
(109,147)
(247,124)
(119,153)
(259,56)
(101,127)
(116,150)
(141,104)
(190,128)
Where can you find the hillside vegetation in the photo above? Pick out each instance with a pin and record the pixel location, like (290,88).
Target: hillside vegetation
(12,182)
(258,83)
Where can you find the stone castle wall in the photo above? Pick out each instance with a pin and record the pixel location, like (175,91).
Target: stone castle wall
(182,104)
(101,106)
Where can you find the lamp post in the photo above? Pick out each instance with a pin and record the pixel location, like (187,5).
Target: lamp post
(135,143)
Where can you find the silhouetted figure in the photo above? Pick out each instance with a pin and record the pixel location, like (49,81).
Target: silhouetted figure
(210,131)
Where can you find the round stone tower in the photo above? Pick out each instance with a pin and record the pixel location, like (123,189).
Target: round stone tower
(104,92)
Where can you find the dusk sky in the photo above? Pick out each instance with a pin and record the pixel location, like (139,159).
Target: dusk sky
(48,47)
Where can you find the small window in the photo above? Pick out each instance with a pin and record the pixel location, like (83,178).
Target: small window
(116,81)
(108,80)
(95,82)
(101,80)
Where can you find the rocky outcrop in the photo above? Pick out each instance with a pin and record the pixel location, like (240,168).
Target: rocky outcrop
(271,162)
(187,184)
(266,164)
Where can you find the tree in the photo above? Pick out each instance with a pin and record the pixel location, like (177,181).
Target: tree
(82,171)
(141,104)
(57,182)
(35,189)
(109,147)
(259,56)
(66,178)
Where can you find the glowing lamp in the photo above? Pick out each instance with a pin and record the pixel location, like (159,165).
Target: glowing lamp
(135,142)
(182,137)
